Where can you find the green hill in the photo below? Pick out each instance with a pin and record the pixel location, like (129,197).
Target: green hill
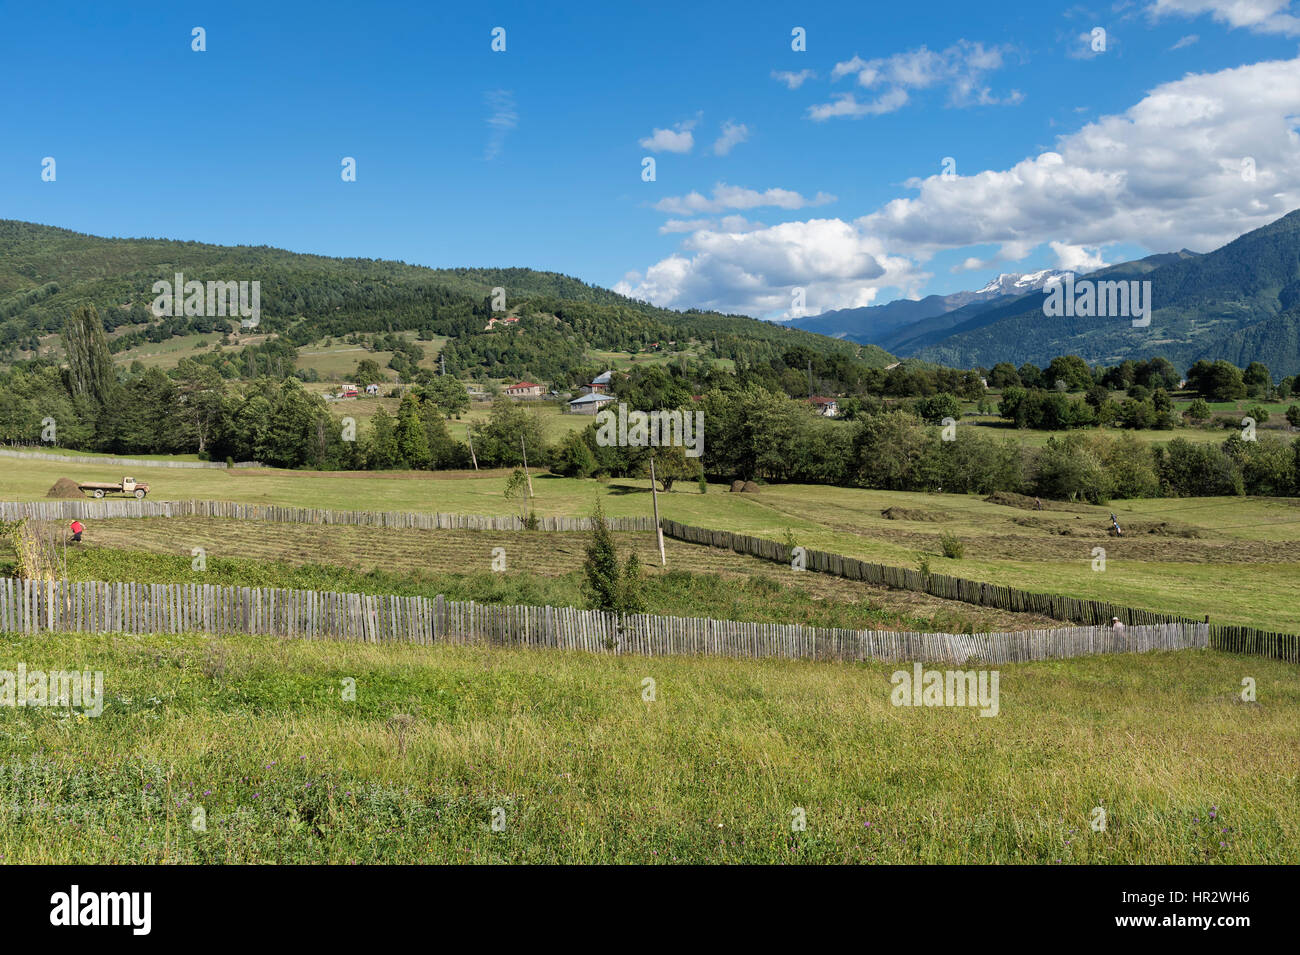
(46,272)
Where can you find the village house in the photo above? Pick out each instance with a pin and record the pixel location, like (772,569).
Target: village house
(589,403)
(372,389)
(598,385)
(826,407)
(348,391)
(525,389)
(507,320)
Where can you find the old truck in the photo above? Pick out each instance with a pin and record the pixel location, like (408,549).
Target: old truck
(127,485)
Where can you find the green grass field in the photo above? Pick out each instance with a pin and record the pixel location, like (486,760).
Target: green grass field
(1234,559)
(542,569)
(562,751)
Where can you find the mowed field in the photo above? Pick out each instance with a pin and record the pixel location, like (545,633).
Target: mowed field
(463,754)
(541,568)
(1236,560)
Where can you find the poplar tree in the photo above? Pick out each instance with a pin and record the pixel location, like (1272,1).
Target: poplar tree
(90,366)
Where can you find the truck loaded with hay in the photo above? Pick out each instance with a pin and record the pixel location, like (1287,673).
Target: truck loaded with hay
(128,486)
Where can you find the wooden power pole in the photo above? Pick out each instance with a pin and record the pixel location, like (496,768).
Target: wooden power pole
(526,474)
(659,531)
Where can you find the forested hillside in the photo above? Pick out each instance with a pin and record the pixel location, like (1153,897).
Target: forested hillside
(1240,303)
(46,273)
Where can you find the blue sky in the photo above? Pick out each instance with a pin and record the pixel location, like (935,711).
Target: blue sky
(775,169)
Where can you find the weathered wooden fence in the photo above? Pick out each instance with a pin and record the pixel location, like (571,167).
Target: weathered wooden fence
(90,509)
(1233,639)
(1090,613)
(32,607)
(1263,643)
(121,462)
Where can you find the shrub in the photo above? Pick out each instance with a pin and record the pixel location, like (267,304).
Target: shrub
(952,547)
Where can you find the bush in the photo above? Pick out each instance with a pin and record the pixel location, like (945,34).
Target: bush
(952,547)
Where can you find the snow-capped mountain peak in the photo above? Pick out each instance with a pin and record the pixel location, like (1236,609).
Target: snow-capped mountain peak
(1017,283)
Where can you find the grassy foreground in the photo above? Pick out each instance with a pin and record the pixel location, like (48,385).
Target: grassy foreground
(574,765)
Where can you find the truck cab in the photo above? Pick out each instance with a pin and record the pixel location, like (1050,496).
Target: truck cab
(129,486)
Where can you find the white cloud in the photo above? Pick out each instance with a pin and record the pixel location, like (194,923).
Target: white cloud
(737,197)
(1078,258)
(679,139)
(1259,16)
(732,135)
(1185,41)
(502,118)
(1165,174)
(791,79)
(961,68)
(846,104)
(756,272)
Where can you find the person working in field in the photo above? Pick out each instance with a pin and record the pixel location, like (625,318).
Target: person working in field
(1115,524)
(77,530)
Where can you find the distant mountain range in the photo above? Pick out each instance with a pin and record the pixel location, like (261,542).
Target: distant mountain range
(873,323)
(1240,302)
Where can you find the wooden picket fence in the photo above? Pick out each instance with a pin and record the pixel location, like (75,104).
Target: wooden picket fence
(121,462)
(1232,639)
(103,509)
(1263,643)
(1089,613)
(33,607)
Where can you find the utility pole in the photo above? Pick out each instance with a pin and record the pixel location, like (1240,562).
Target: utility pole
(659,531)
(443,361)
(526,474)
(469,433)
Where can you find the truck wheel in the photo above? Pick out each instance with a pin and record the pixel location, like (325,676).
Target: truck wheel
(139,495)
(99,492)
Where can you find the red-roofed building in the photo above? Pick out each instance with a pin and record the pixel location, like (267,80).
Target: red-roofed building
(826,407)
(525,389)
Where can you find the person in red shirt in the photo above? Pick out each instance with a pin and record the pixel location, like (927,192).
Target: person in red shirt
(77,528)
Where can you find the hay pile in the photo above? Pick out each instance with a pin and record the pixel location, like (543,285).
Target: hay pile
(64,488)
(913,514)
(744,487)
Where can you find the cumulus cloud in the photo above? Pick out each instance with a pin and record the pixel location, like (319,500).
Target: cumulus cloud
(732,135)
(961,68)
(679,139)
(1078,258)
(737,197)
(756,272)
(1166,173)
(1259,16)
(1170,172)
(791,79)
